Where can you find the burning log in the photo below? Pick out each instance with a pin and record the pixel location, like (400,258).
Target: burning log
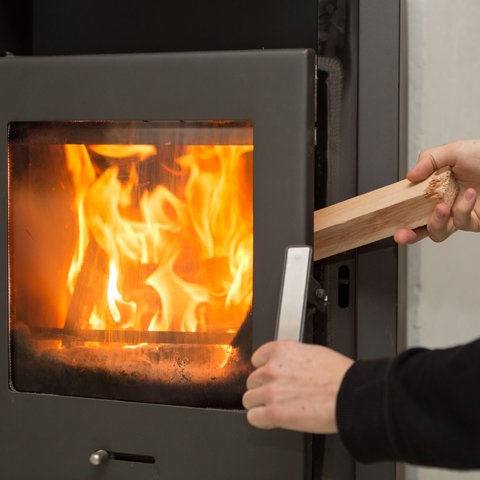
(88,288)
(378,214)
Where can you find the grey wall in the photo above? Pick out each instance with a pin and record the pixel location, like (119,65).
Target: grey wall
(443,305)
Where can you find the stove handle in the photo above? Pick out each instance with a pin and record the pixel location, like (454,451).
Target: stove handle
(294,293)
(100,457)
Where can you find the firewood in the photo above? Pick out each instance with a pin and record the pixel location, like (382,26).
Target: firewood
(378,214)
(90,284)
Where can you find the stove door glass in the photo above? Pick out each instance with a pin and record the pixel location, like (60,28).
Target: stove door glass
(131,259)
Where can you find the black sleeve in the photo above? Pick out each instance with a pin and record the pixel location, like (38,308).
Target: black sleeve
(421,407)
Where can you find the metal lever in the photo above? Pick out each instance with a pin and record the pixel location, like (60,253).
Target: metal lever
(100,457)
(294,293)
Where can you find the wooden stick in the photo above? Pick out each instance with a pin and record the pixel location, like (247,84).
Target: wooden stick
(90,284)
(378,214)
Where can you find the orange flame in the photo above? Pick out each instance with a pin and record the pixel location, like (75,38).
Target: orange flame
(194,240)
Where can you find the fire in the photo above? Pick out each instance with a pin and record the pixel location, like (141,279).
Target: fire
(173,257)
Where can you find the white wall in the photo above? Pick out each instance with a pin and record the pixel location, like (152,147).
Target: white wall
(443,299)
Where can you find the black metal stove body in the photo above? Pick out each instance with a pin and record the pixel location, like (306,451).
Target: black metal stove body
(51,434)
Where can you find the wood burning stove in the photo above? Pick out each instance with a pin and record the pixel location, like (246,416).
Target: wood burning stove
(150,201)
(244,90)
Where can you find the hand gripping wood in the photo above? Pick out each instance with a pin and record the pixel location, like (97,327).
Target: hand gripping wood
(378,214)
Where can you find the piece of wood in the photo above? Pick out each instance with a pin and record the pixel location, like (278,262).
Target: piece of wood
(378,214)
(90,284)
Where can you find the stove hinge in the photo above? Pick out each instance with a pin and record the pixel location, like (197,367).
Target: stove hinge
(317,298)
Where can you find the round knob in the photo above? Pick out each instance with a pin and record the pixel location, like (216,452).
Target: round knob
(98,458)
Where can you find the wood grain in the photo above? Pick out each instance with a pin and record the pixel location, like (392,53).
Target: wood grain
(378,214)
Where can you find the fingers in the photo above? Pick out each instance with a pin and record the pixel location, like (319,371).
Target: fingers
(258,394)
(440,225)
(268,415)
(258,417)
(264,384)
(253,398)
(464,159)
(463,208)
(262,355)
(404,236)
(255,395)
(445,221)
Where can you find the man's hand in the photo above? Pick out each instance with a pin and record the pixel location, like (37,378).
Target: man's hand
(295,386)
(463,157)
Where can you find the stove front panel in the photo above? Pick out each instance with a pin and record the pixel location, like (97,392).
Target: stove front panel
(254,108)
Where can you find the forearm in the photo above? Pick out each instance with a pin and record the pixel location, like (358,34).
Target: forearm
(421,407)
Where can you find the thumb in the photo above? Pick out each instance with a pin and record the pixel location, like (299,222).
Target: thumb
(429,161)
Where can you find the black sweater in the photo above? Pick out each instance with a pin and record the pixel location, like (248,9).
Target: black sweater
(421,407)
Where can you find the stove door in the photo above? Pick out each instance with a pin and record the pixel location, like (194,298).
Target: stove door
(150,201)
